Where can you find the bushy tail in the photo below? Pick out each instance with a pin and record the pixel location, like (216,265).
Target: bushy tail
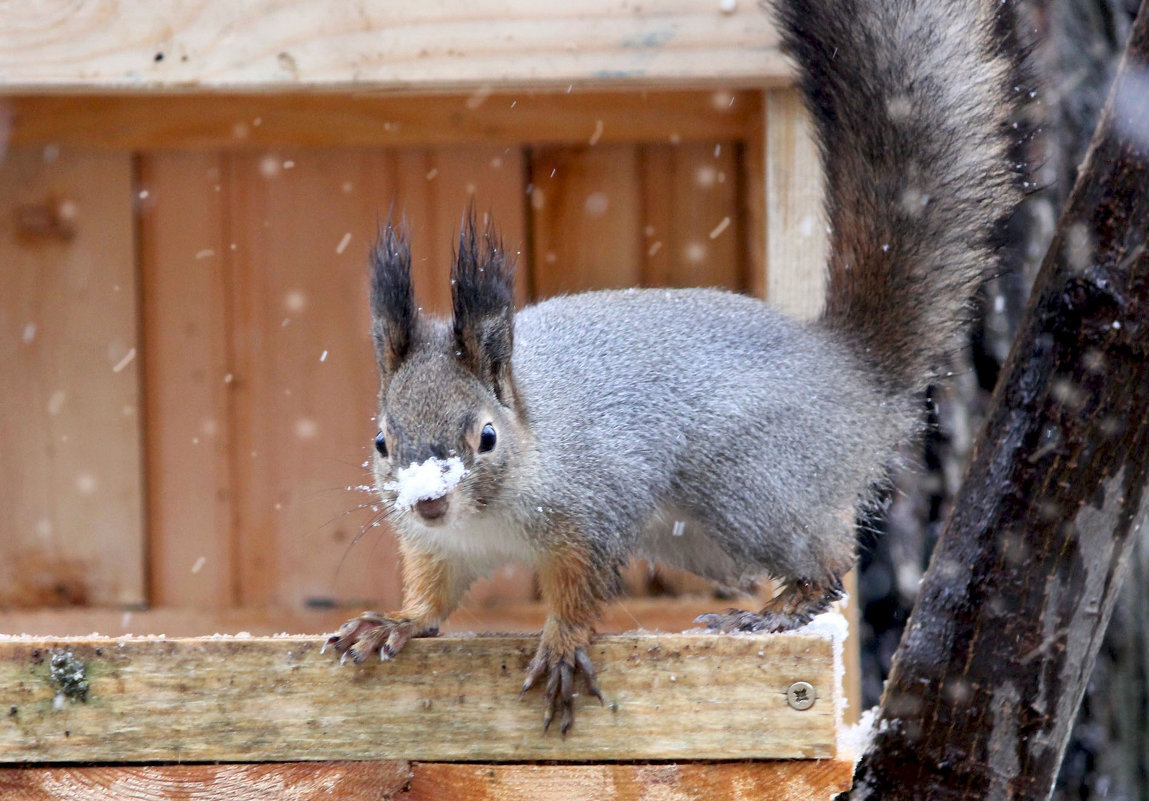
(912,102)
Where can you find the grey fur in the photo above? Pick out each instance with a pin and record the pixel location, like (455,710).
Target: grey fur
(702,427)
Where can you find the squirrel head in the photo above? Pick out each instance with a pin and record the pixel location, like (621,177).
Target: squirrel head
(449,422)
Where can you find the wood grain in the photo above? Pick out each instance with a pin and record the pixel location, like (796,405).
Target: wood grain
(280,45)
(185,272)
(795,226)
(807,780)
(799,780)
(260,121)
(451,698)
(649,614)
(353,781)
(70,467)
(586,218)
(691,225)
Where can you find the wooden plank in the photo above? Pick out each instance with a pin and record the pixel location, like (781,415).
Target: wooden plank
(649,614)
(352,781)
(586,217)
(692,225)
(278,45)
(688,696)
(619,216)
(803,780)
(301,224)
(261,121)
(806,780)
(795,226)
(796,240)
(754,199)
(70,472)
(185,272)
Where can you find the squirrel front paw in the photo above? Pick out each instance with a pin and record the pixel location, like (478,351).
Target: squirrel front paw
(560,664)
(372,632)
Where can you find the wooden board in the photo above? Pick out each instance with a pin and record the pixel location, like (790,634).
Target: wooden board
(615,216)
(362,781)
(278,45)
(348,781)
(451,698)
(586,219)
(70,471)
(692,223)
(648,614)
(795,225)
(260,121)
(798,780)
(185,281)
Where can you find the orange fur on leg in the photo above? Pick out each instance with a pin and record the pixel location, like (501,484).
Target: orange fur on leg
(574,587)
(431,591)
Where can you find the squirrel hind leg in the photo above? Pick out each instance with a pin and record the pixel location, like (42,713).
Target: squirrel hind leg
(795,606)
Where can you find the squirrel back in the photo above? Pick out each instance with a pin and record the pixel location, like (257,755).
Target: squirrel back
(912,105)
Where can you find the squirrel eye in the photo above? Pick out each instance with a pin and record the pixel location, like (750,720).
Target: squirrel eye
(381,444)
(487,439)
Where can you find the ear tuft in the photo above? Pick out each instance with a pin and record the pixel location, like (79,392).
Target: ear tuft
(482,294)
(392,297)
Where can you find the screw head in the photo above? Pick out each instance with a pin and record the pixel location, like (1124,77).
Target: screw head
(801,695)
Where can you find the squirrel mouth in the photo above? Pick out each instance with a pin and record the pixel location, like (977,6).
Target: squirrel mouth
(432,509)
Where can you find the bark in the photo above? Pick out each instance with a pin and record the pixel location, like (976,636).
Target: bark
(988,677)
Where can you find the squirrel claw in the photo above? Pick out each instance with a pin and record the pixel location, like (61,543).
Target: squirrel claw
(558,696)
(371,633)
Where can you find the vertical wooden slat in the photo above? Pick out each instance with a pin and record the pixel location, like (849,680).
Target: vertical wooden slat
(586,219)
(304,378)
(754,199)
(184,259)
(795,228)
(71,530)
(691,225)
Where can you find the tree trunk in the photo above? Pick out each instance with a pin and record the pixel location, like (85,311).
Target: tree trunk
(988,677)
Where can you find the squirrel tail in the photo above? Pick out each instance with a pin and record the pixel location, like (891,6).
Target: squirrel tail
(913,103)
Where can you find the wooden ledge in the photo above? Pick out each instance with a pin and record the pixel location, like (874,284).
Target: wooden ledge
(429,781)
(279,45)
(261,121)
(668,697)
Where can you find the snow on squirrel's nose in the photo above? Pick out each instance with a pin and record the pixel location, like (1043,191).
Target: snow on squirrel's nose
(429,481)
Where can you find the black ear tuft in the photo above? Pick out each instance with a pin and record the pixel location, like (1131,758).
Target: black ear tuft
(482,293)
(392,297)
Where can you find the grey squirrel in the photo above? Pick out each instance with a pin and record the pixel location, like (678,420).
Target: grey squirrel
(698,427)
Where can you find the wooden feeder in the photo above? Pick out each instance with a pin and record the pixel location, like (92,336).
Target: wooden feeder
(187,195)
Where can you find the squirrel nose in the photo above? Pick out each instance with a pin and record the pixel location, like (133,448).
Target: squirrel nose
(433,508)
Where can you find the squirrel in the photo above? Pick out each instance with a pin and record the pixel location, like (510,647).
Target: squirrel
(698,427)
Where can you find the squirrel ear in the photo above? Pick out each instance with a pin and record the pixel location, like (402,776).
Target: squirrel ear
(482,293)
(392,297)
